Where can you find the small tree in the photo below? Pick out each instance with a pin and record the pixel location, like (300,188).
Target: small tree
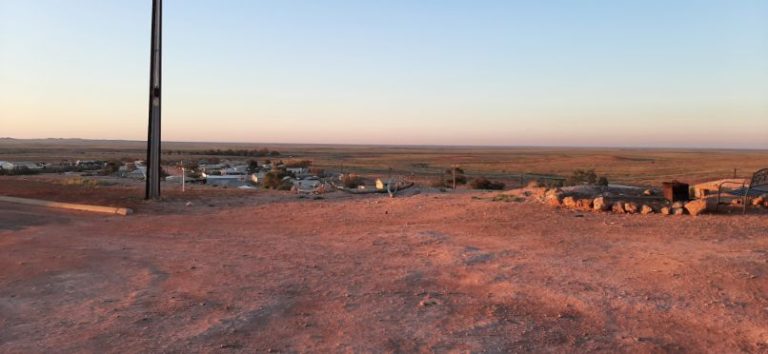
(454,174)
(274,179)
(253,166)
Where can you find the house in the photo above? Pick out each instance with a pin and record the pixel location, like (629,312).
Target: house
(239,170)
(307,185)
(297,171)
(7,165)
(139,173)
(90,164)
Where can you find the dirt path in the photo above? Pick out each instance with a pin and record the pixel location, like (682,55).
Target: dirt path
(432,272)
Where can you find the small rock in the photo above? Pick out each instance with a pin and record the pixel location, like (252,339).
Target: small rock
(618,208)
(677,205)
(678,211)
(665,211)
(599,204)
(758,201)
(428,301)
(188,204)
(646,209)
(554,193)
(553,202)
(569,202)
(584,204)
(647,192)
(630,207)
(696,207)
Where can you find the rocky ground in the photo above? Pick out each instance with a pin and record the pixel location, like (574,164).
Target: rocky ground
(430,272)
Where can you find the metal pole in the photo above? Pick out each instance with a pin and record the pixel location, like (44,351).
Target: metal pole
(155,76)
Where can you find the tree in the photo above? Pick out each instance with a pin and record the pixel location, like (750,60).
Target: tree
(452,174)
(253,166)
(274,179)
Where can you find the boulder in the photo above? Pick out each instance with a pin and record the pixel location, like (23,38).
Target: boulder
(553,193)
(600,204)
(569,202)
(665,211)
(678,211)
(618,208)
(553,202)
(677,205)
(630,207)
(584,204)
(698,206)
(646,209)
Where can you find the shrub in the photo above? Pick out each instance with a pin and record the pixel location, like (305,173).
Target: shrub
(274,179)
(351,180)
(111,167)
(602,181)
(253,166)
(18,171)
(484,183)
(582,177)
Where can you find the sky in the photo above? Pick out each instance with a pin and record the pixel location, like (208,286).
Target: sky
(651,73)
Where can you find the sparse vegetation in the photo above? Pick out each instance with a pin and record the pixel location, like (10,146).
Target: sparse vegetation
(447,179)
(229,152)
(484,183)
(580,177)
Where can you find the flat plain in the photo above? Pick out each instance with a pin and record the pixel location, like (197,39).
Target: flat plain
(226,270)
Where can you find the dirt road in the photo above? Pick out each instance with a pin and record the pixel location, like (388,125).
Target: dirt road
(426,273)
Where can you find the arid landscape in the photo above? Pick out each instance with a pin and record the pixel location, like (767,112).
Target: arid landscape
(217,269)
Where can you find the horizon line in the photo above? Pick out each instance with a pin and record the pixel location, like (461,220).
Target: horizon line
(419,145)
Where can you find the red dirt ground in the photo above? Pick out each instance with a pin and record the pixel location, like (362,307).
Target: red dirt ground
(425,273)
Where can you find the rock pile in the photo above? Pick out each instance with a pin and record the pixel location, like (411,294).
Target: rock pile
(602,203)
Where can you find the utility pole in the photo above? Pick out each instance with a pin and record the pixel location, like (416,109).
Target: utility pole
(155,76)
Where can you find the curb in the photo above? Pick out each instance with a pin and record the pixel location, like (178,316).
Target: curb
(70,206)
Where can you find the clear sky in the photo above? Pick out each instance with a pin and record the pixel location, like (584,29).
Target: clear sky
(626,73)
